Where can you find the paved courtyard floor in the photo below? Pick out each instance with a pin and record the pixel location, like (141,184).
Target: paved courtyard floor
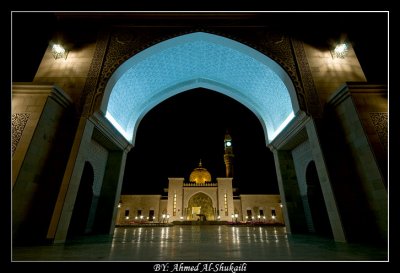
(201,243)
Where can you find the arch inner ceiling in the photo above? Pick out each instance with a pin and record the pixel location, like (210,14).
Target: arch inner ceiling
(199,60)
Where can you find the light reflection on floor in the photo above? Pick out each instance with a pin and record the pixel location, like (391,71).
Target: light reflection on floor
(201,243)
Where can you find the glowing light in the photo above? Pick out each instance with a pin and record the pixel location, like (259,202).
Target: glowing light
(340,50)
(59,51)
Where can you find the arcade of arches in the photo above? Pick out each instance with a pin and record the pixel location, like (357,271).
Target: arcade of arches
(79,116)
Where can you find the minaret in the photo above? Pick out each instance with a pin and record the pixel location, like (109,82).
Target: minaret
(228,156)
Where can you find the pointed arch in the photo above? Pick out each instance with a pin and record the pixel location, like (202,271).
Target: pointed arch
(199,60)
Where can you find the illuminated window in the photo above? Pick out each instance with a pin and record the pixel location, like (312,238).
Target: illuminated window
(174,210)
(226,204)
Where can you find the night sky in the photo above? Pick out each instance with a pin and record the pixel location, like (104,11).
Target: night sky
(177,133)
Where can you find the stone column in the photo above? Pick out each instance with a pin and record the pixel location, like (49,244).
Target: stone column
(293,211)
(62,213)
(175,186)
(107,209)
(99,129)
(41,126)
(363,140)
(326,187)
(225,187)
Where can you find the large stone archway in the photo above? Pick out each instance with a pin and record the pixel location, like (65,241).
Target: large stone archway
(174,66)
(70,114)
(199,60)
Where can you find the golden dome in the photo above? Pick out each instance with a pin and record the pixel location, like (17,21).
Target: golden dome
(200,175)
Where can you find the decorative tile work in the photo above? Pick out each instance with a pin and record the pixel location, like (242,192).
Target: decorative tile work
(195,58)
(275,45)
(380,123)
(119,44)
(310,95)
(18,122)
(88,95)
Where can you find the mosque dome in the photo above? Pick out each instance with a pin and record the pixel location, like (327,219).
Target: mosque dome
(200,175)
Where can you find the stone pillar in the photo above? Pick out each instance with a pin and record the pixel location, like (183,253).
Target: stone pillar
(62,213)
(107,209)
(41,125)
(302,156)
(300,130)
(225,187)
(361,135)
(293,211)
(326,187)
(99,129)
(175,191)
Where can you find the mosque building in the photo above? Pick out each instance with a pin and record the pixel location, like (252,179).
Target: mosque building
(202,199)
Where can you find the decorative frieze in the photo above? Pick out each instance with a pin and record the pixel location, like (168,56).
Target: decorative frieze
(117,45)
(18,123)
(380,123)
(308,93)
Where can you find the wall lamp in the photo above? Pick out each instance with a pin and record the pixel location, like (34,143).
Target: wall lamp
(59,51)
(340,50)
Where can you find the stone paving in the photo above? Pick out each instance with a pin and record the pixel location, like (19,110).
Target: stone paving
(201,243)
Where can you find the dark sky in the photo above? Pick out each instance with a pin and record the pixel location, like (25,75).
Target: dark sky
(177,133)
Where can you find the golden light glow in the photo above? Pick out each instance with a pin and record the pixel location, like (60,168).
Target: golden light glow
(340,50)
(59,51)
(200,175)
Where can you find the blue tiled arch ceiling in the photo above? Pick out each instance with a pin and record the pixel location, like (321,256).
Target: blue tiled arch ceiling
(199,60)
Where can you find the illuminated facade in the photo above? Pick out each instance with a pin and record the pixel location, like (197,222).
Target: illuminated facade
(202,199)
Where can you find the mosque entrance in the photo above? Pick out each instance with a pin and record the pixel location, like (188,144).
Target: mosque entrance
(200,60)
(200,207)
